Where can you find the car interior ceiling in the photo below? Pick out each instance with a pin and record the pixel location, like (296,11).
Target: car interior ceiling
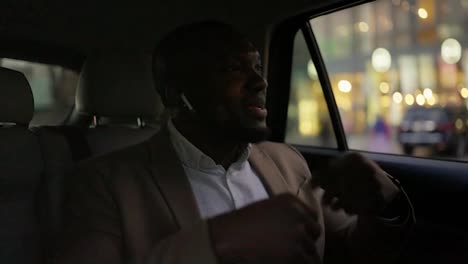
(116,105)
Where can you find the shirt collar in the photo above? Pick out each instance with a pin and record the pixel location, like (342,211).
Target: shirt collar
(193,157)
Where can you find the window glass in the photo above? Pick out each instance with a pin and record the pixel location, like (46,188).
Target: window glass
(308,116)
(403,87)
(53,89)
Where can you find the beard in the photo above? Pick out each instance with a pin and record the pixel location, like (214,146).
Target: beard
(243,129)
(250,134)
(236,130)
(230,126)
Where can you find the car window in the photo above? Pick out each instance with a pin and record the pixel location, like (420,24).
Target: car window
(308,116)
(398,69)
(420,113)
(53,89)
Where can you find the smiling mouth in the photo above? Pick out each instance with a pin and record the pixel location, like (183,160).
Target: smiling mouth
(257,105)
(257,110)
(256,101)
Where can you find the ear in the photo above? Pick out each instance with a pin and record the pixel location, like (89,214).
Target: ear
(174,94)
(172,98)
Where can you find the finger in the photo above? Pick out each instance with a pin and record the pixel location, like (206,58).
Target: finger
(362,165)
(332,182)
(292,208)
(304,211)
(312,229)
(347,207)
(326,178)
(305,250)
(341,204)
(308,254)
(335,204)
(329,198)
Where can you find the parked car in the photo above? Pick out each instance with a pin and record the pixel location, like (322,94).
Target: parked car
(442,128)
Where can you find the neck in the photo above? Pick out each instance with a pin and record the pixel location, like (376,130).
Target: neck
(222,150)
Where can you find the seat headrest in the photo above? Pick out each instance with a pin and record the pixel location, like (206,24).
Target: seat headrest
(118,86)
(16,99)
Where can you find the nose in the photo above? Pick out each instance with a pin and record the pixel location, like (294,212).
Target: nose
(257,83)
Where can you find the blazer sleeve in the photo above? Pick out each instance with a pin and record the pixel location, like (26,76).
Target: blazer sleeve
(93,230)
(356,239)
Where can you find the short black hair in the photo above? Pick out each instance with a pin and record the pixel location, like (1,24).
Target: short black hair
(183,42)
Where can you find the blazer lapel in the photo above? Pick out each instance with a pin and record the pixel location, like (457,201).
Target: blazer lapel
(174,185)
(268,172)
(169,175)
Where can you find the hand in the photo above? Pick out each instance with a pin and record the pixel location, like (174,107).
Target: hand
(278,230)
(357,185)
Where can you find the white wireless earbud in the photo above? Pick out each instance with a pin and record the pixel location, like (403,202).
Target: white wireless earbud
(186,102)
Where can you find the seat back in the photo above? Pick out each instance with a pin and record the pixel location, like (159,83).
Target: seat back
(116,106)
(21,168)
(117,92)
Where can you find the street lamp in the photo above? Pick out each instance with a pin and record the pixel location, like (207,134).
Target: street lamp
(397,97)
(381,60)
(423,13)
(311,70)
(451,51)
(345,86)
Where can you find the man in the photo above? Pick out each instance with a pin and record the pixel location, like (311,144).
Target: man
(206,189)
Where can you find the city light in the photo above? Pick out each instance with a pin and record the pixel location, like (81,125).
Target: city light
(459,124)
(418,65)
(409,99)
(305,128)
(420,99)
(431,101)
(386,101)
(397,97)
(384,87)
(464,3)
(307,124)
(311,70)
(363,27)
(381,60)
(423,13)
(406,6)
(427,93)
(345,86)
(464,92)
(451,51)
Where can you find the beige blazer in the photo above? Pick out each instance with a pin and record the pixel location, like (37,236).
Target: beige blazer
(136,206)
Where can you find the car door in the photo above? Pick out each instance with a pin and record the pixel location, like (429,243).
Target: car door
(341,78)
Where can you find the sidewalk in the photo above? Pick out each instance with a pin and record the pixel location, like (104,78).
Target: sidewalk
(374,144)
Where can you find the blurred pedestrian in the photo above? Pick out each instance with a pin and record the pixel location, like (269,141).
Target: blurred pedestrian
(380,136)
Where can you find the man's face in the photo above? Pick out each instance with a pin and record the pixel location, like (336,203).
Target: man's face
(231,92)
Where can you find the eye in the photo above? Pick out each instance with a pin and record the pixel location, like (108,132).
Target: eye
(232,68)
(259,68)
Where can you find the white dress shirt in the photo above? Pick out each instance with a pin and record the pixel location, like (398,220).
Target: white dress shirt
(216,190)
